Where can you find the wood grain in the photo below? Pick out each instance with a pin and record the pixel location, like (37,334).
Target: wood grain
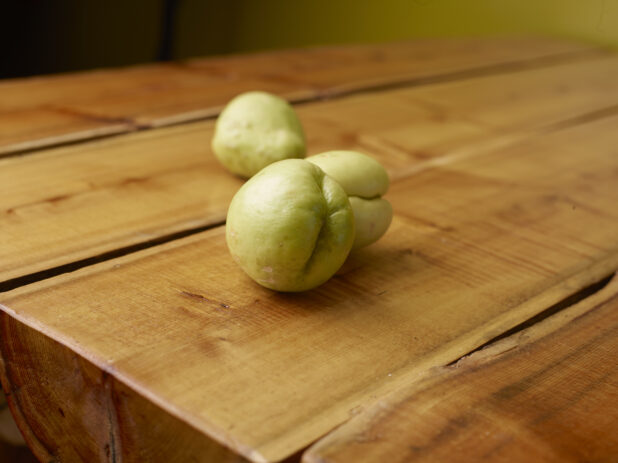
(75,394)
(343,69)
(9,434)
(107,195)
(547,394)
(97,197)
(50,110)
(44,111)
(32,128)
(410,127)
(477,247)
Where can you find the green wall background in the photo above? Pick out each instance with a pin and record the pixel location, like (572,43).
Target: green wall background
(67,35)
(248,25)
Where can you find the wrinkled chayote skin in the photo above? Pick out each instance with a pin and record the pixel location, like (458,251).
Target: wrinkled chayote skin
(254,130)
(290,227)
(365,181)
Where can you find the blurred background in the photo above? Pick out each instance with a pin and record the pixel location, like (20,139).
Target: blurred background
(43,37)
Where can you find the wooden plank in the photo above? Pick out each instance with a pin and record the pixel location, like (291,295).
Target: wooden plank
(509,98)
(343,69)
(409,127)
(545,394)
(80,106)
(155,96)
(94,198)
(477,247)
(110,194)
(31,128)
(44,111)
(129,427)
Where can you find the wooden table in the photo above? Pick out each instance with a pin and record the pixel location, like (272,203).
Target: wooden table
(483,325)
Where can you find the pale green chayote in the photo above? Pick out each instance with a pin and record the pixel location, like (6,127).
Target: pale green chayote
(254,130)
(290,227)
(365,181)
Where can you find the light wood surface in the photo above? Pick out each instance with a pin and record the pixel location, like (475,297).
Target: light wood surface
(44,111)
(503,160)
(546,394)
(27,129)
(92,198)
(344,69)
(406,129)
(477,247)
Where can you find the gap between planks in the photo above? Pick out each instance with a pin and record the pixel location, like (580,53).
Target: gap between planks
(550,320)
(564,304)
(132,126)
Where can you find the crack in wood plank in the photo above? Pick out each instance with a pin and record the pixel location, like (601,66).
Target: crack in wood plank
(113,447)
(95,117)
